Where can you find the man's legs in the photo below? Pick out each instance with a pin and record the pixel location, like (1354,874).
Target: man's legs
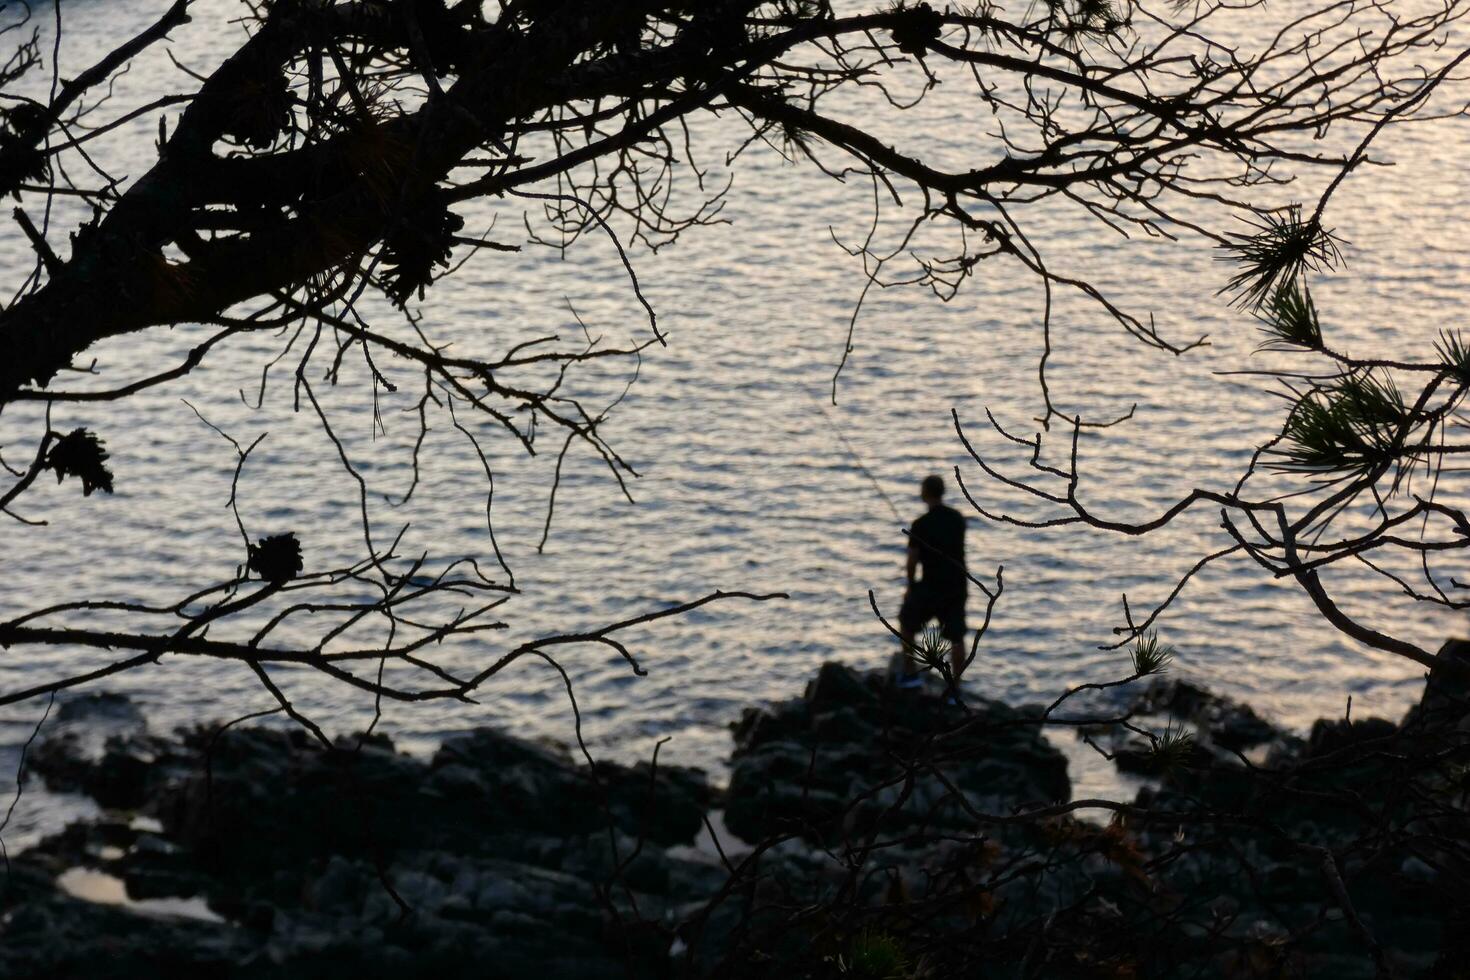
(906,637)
(911,618)
(909,675)
(956,654)
(953,621)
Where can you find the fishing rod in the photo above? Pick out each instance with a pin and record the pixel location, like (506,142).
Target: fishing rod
(857,460)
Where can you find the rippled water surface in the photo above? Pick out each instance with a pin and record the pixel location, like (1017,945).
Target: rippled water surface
(744,484)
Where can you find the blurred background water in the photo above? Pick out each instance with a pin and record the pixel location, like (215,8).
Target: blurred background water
(744,484)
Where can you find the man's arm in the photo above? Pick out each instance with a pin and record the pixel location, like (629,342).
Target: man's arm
(912,562)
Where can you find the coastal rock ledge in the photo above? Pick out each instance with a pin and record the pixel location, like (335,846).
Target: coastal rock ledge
(865,832)
(840,760)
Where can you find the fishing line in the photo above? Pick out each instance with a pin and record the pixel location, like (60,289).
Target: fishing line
(857,460)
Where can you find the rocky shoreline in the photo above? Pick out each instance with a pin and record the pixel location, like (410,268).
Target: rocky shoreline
(256,852)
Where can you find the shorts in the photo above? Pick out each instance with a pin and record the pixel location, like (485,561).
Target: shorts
(923,603)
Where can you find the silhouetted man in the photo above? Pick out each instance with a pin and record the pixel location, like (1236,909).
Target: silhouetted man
(936,545)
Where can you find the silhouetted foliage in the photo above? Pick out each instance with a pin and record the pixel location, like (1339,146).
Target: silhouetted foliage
(323,161)
(80,453)
(277,558)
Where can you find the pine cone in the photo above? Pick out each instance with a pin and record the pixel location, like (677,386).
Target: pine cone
(412,250)
(921,24)
(276,559)
(81,454)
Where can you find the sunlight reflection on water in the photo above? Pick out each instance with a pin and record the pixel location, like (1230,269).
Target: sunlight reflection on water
(744,487)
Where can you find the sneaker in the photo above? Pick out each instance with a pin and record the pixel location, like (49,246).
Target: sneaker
(907,682)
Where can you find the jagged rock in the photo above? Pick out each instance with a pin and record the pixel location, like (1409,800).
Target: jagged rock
(830,762)
(101,706)
(1221,721)
(837,685)
(505,858)
(98,745)
(499,848)
(1445,702)
(1328,736)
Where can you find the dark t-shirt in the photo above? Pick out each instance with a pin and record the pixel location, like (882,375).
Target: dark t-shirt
(939,536)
